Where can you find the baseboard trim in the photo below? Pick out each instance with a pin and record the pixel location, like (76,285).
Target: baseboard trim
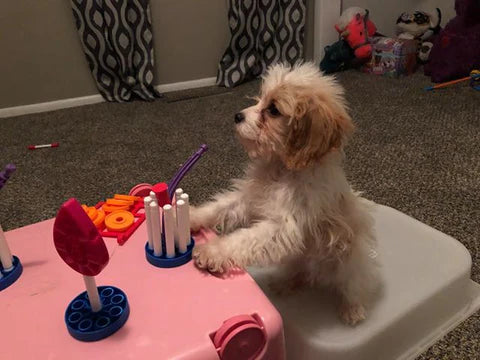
(184,85)
(50,106)
(94,99)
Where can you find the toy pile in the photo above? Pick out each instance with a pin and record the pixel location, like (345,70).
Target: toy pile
(421,26)
(362,47)
(118,217)
(355,29)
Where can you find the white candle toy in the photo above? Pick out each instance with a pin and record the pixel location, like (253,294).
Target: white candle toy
(153,196)
(185,198)
(5,254)
(183,224)
(156,229)
(178,193)
(169,220)
(146,201)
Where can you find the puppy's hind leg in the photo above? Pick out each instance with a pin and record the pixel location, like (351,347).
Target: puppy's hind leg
(357,280)
(290,278)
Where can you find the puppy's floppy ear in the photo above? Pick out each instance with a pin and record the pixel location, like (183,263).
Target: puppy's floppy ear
(316,128)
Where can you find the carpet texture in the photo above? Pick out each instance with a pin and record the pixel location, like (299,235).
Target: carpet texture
(415,151)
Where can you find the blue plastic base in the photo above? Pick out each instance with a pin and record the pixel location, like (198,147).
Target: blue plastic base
(9,277)
(85,325)
(164,262)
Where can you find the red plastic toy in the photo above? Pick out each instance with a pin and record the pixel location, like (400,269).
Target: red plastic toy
(355,27)
(81,246)
(78,241)
(142,190)
(123,236)
(161,192)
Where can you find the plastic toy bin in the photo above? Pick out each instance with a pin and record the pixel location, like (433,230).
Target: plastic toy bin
(427,292)
(175,313)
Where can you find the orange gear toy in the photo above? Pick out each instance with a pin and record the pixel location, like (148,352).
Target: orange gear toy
(119,220)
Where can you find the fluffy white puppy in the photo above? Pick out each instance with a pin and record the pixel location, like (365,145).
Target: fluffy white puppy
(294,205)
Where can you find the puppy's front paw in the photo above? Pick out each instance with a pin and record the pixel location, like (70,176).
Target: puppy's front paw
(351,314)
(196,221)
(209,256)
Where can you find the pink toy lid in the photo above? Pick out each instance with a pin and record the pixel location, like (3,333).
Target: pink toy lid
(78,241)
(142,190)
(240,338)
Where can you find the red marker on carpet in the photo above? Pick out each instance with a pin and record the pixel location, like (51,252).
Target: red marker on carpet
(35,147)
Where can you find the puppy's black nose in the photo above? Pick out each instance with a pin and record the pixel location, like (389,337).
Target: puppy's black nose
(239,117)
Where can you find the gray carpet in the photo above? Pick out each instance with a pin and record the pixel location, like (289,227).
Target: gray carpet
(417,152)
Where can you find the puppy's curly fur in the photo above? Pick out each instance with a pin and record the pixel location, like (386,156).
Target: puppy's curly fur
(294,205)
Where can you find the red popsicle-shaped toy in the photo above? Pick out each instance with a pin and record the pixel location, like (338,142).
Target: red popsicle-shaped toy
(78,241)
(81,246)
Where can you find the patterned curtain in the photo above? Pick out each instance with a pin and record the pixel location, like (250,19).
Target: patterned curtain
(118,43)
(263,32)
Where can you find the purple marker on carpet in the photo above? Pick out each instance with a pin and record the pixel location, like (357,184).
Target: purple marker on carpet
(6,173)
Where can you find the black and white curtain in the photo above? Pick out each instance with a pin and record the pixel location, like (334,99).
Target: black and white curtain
(117,41)
(263,32)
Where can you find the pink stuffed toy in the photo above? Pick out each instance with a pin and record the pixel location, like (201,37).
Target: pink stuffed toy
(355,27)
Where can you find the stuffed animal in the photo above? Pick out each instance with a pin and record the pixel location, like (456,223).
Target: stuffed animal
(421,26)
(456,50)
(338,56)
(355,27)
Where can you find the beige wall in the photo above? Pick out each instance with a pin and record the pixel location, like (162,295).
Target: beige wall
(190,36)
(42,60)
(41,57)
(384,13)
(40,53)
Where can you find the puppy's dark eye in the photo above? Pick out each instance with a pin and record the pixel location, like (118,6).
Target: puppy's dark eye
(272,110)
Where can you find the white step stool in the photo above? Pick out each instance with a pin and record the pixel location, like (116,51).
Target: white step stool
(427,292)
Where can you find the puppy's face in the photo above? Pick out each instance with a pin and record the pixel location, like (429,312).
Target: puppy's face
(300,116)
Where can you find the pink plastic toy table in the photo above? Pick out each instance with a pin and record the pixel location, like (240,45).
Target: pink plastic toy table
(176,313)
